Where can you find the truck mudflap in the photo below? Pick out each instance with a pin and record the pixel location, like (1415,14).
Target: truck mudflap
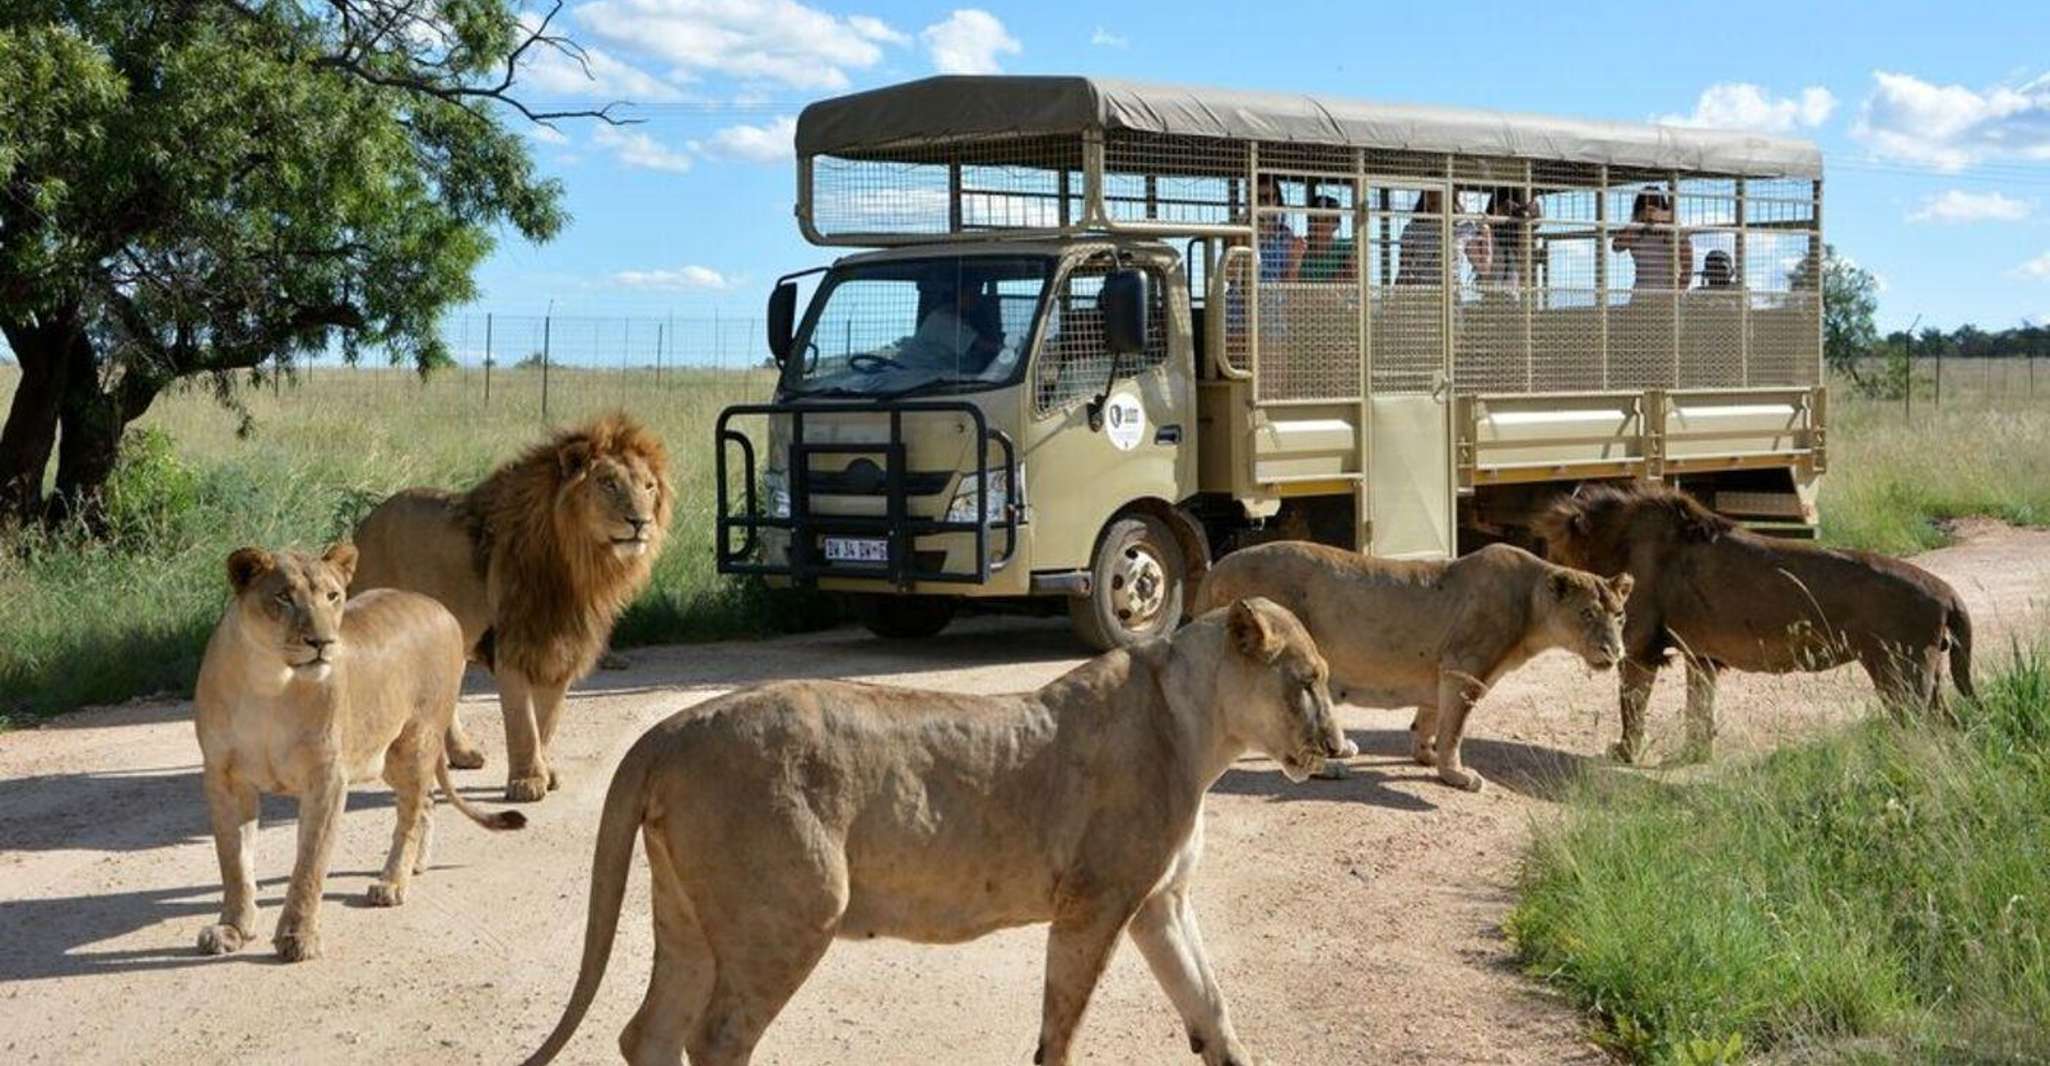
(806,560)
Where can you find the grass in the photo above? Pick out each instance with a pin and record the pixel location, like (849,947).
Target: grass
(1879,895)
(104,622)
(88,623)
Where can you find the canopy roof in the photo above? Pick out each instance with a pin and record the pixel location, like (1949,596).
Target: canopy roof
(962,107)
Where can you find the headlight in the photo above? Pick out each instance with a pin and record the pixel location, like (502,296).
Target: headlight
(968,496)
(776,486)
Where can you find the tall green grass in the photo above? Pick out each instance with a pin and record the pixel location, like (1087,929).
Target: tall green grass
(1893,480)
(1879,895)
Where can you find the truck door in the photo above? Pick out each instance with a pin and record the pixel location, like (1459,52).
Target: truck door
(1412,263)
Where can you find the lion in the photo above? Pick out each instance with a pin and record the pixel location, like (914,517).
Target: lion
(1434,635)
(536,562)
(779,817)
(1726,597)
(302,694)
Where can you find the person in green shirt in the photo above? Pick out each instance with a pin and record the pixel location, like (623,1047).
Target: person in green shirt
(1326,255)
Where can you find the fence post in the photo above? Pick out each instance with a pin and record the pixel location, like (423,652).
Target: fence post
(547,330)
(658,355)
(1939,375)
(487,359)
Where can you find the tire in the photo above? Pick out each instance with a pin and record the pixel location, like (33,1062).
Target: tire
(904,617)
(1137,581)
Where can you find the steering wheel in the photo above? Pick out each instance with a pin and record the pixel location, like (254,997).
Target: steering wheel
(870,363)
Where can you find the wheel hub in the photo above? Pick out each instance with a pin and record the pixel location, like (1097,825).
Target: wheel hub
(1138,586)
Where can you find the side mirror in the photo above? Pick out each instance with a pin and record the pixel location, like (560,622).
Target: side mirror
(1125,307)
(782,319)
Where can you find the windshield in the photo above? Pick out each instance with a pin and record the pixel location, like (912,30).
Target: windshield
(924,325)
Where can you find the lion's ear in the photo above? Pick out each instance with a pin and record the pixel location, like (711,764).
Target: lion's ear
(343,558)
(1621,585)
(245,565)
(574,457)
(1251,633)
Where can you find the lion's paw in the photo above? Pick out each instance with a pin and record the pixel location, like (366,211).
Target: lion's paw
(384,894)
(1626,753)
(1462,779)
(222,940)
(554,779)
(526,789)
(465,759)
(298,947)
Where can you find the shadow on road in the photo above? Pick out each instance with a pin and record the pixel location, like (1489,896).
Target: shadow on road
(155,808)
(1526,769)
(44,936)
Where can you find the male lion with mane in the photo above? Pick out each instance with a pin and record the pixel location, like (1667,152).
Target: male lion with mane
(1429,634)
(536,562)
(302,694)
(780,817)
(1724,596)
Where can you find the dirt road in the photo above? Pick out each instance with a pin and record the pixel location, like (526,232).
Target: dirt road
(1350,921)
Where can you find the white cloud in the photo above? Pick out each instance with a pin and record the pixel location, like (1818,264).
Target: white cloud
(551,72)
(1103,38)
(1951,127)
(1957,205)
(690,278)
(544,134)
(780,41)
(876,29)
(1736,105)
(772,143)
(2037,269)
(640,150)
(969,41)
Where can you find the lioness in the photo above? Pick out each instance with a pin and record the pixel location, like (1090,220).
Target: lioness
(535,562)
(302,694)
(1428,634)
(1727,597)
(779,817)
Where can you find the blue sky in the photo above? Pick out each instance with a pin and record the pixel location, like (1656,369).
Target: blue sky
(1934,119)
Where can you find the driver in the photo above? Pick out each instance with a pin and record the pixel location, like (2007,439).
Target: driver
(945,336)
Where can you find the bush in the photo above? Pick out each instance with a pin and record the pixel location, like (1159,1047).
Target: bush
(1879,895)
(152,494)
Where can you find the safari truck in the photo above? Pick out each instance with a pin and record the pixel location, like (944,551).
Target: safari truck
(1098,331)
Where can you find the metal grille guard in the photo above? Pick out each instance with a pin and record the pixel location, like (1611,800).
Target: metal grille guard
(807,563)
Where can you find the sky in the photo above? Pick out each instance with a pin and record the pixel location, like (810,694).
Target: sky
(1934,120)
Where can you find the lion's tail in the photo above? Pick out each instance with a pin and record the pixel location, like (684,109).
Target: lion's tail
(625,805)
(501,820)
(1959,624)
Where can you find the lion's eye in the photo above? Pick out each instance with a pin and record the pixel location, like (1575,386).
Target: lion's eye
(284,599)
(333,596)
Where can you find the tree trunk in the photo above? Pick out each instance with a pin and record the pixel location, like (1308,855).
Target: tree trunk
(47,353)
(93,419)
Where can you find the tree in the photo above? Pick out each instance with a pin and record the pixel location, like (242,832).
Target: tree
(1850,298)
(202,188)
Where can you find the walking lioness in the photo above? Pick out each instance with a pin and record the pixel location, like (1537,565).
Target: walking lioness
(302,694)
(780,817)
(1427,634)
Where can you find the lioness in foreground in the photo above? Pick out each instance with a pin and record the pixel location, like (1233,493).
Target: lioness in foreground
(1727,597)
(535,562)
(780,817)
(301,694)
(1428,634)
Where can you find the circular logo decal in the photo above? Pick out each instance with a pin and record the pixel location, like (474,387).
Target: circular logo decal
(1124,421)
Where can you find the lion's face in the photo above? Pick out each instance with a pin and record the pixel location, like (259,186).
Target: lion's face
(1274,687)
(616,500)
(1586,615)
(291,603)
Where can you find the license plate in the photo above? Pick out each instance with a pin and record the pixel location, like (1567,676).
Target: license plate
(857,550)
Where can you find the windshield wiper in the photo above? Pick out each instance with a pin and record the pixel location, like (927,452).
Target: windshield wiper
(930,385)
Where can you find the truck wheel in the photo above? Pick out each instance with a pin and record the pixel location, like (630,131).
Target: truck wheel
(1135,585)
(904,617)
